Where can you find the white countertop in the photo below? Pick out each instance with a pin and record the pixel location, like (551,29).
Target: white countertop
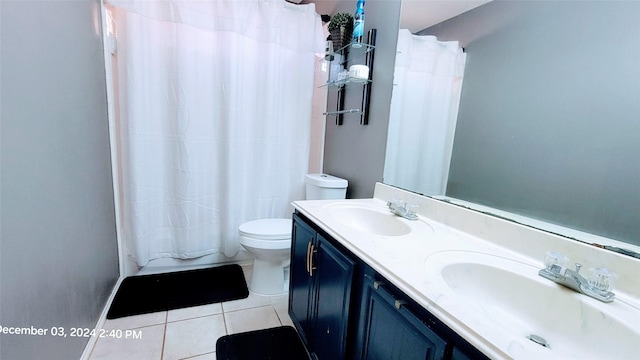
(402,260)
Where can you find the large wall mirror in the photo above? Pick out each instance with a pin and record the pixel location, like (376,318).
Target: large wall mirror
(548,125)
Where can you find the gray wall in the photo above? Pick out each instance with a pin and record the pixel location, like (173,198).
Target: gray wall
(58,256)
(353,151)
(549,123)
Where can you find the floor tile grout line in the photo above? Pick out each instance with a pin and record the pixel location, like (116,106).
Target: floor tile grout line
(196,316)
(192,318)
(277,315)
(249,308)
(164,335)
(195,356)
(224,320)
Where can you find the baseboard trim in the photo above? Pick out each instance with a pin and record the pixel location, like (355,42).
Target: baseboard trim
(103,316)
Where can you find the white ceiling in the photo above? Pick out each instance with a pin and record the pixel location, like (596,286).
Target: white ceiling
(420,14)
(416,14)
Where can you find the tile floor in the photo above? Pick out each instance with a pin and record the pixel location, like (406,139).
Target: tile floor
(190,333)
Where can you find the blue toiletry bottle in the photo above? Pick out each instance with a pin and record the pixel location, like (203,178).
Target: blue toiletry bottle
(358,24)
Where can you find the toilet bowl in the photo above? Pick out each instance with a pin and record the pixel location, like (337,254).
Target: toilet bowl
(269,240)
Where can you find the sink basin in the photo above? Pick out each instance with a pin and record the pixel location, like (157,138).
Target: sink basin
(530,311)
(370,221)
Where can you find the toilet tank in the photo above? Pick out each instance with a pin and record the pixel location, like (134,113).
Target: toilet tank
(323,186)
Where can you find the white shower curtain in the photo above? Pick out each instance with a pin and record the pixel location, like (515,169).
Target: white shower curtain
(424,108)
(214,102)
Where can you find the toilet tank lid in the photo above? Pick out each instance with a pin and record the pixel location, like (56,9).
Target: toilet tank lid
(267,228)
(326,181)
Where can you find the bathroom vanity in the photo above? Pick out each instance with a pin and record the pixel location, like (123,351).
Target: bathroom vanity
(453,284)
(343,308)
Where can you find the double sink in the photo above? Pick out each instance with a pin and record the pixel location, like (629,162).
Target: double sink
(497,297)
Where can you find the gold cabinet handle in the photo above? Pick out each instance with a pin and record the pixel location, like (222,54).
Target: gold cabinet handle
(308,254)
(311,267)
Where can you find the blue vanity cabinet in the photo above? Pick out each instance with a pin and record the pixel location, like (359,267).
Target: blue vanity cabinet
(344,309)
(392,331)
(320,295)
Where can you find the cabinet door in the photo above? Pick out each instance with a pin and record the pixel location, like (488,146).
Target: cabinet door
(300,297)
(334,276)
(392,331)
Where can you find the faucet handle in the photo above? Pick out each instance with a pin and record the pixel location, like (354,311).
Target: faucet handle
(395,202)
(557,259)
(412,208)
(602,279)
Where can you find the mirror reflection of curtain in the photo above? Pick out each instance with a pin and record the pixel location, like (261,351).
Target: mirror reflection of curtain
(424,107)
(214,119)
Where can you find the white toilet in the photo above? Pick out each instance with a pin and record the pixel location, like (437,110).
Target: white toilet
(269,240)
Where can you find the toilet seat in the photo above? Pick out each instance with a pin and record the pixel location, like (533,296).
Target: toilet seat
(267,229)
(274,234)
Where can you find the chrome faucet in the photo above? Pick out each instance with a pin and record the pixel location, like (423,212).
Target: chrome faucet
(401,208)
(597,286)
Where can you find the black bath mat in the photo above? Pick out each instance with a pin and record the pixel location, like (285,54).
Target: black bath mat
(168,291)
(282,343)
